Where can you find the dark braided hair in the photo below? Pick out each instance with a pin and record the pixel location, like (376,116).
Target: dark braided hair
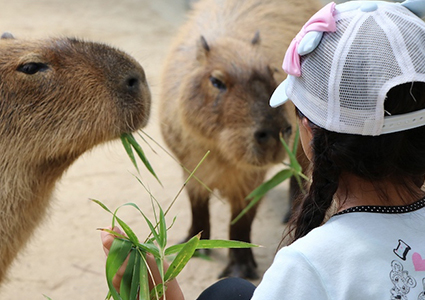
(396,157)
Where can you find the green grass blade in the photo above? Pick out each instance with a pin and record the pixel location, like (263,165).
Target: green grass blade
(181,258)
(101,205)
(162,242)
(127,146)
(117,255)
(143,277)
(292,157)
(176,160)
(266,186)
(259,192)
(151,227)
(114,233)
(298,178)
(144,140)
(157,292)
(127,283)
(160,263)
(211,244)
(135,280)
(296,140)
(149,247)
(128,231)
(130,138)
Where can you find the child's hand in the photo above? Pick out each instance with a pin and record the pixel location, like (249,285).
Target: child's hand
(173,291)
(107,240)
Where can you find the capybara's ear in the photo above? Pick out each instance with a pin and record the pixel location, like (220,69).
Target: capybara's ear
(202,49)
(7,36)
(256,39)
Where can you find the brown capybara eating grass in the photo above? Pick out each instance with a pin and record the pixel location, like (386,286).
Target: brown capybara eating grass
(58,99)
(221,70)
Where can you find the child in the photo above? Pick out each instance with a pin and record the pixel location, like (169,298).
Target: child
(357,78)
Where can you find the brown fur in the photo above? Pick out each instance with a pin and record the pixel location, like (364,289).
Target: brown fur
(242,44)
(87,94)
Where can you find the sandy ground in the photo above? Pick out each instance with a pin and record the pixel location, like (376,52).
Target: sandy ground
(64,260)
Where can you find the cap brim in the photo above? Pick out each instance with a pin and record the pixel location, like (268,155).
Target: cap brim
(279,96)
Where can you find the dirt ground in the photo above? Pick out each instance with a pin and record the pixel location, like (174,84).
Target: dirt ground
(64,259)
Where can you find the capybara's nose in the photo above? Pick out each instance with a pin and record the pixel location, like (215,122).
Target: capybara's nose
(132,83)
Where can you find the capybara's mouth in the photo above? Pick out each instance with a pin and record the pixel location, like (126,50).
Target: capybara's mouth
(135,103)
(265,158)
(139,117)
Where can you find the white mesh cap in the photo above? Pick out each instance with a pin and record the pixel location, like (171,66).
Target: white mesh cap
(345,79)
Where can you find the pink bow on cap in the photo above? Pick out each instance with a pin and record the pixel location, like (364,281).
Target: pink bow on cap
(323,21)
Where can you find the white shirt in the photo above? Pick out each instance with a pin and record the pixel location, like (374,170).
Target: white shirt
(363,253)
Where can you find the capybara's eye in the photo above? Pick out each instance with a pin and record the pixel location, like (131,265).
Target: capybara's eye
(217,83)
(32,68)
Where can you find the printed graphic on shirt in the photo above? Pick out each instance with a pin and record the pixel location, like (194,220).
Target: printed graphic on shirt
(422,294)
(401,280)
(418,262)
(402,250)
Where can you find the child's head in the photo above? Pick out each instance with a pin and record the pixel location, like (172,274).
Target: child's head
(356,71)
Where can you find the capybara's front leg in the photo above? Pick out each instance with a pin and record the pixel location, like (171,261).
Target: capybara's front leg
(241,261)
(200,217)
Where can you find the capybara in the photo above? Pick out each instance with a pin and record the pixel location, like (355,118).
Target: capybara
(217,80)
(58,99)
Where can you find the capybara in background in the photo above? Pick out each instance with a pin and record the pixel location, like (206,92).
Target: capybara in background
(216,84)
(58,99)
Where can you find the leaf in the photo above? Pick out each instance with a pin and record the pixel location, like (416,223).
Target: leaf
(292,157)
(101,205)
(182,258)
(157,292)
(132,141)
(135,280)
(151,227)
(114,233)
(176,160)
(211,244)
(130,281)
(294,170)
(128,231)
(160,263)
(117,254)
(260,191)
(270,184)
(162,242)
(129,150)
(143,278)
(299,181)
(149,247)
(296,140)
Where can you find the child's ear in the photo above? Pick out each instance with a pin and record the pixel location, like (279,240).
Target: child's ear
(306,124)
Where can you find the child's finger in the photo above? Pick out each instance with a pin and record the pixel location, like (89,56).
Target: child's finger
(108,238)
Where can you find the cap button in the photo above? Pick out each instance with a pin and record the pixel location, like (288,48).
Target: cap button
(369,7)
